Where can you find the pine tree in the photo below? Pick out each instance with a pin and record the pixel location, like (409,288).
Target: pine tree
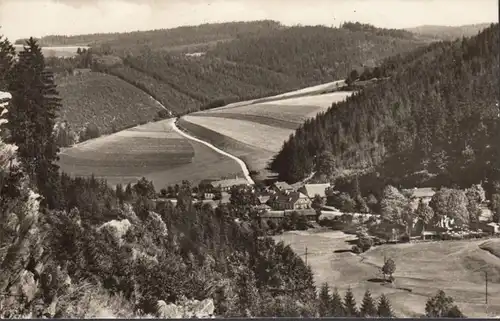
(7,53)
(324,307)
(368,308)
(384,308)
(350,304)
(35,103)
(336,305)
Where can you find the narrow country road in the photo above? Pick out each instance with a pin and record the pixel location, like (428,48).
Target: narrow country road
(242,164)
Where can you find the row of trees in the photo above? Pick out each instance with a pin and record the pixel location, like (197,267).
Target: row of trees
(435,121)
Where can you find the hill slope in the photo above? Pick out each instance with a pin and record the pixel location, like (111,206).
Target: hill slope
(434,115)
(448,32)
(254,60)
(103,101)
(154,151)
(256,131)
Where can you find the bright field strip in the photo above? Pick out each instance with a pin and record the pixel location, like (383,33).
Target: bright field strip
(421,270)
(264,137)
(153,150)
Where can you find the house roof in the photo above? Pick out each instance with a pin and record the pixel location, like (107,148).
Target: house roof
(316,189)
(290,197)
(282,186)
(264,198)
(229,182)
(422,192)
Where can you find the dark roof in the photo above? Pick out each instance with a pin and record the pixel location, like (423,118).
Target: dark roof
(283,197)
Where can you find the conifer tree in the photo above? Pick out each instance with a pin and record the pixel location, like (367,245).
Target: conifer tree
(336,305)
(368,308)
(384,308)
(350,304)
(324,307)
(35,103)
(7,53)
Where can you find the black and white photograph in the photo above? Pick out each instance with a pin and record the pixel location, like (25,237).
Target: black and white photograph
(225,159)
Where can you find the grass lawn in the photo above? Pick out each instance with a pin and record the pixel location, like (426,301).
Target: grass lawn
(421,269)
(153,150)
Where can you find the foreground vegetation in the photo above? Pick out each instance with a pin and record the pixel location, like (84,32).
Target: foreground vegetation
(433,122)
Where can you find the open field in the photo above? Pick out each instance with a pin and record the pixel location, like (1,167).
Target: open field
(153,150)
(256,132)
(421,269)
(105,101)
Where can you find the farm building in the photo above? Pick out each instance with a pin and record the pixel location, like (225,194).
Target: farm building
(226,184)
(310,190)
(289,201)
(282,186)
(425,194)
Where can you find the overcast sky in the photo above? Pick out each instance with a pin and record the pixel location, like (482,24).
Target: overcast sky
(24,18)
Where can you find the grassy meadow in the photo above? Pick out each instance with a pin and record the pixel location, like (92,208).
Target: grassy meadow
(153,151)
(421,270)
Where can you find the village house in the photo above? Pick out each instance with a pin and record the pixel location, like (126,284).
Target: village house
(226,184)
(417,194)
(282,187)
(289,201)
(311,190)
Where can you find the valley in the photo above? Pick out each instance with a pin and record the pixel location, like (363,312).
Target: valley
(251,169)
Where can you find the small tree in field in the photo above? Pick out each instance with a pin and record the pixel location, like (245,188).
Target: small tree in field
(389,268)
(442,306)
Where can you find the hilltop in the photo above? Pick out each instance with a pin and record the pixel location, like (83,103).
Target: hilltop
(432,120)
(448,32)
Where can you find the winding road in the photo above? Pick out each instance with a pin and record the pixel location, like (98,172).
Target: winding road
(242,164)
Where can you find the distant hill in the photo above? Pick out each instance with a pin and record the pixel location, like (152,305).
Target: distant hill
(434,120)
(176,39)
(251,60)
(448,32)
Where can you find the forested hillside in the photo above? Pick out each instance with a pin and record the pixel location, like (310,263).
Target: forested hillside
(176,39)
(434,121)
(250,65)
(448,32)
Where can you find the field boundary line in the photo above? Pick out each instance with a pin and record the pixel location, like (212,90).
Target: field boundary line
(242,164)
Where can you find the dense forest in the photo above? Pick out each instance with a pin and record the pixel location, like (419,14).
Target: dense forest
(434,120)
(448,32)
(175,39)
